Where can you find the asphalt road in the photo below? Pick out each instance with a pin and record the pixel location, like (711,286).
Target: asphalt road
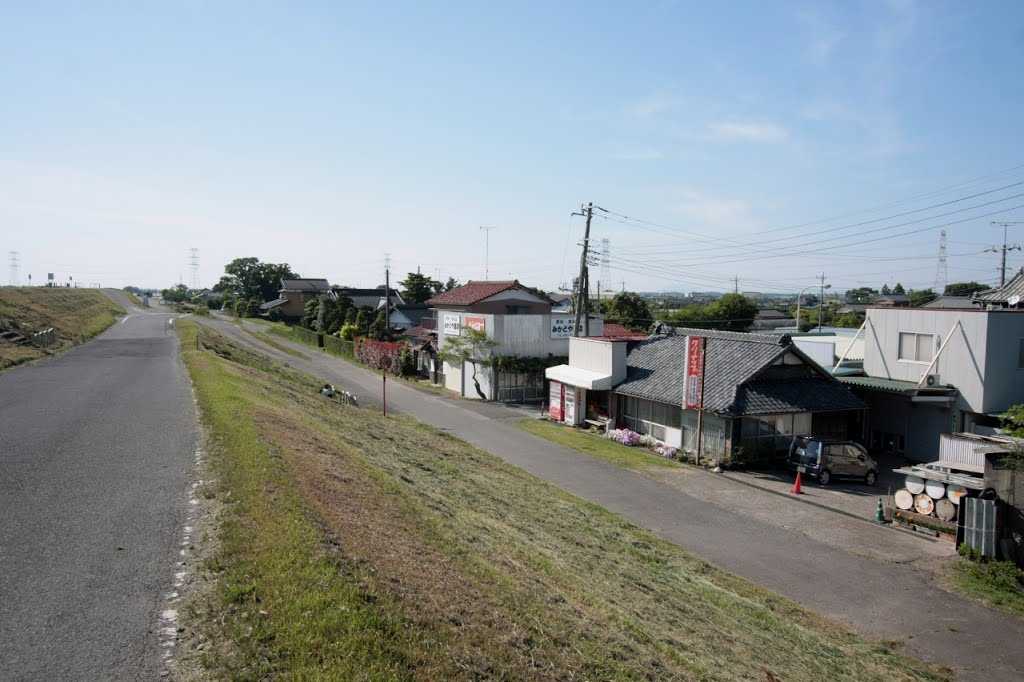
(96,446)
(882,599)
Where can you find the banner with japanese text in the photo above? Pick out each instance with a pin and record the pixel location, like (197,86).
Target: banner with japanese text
(694,372)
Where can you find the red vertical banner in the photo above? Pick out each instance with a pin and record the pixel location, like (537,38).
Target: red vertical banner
(694,372)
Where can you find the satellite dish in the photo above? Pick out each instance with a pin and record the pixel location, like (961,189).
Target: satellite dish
(1014,300)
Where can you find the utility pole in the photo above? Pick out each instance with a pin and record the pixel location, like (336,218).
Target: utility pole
(583,288)
(387,298)
(487,249)
(736,287)
(1004,249)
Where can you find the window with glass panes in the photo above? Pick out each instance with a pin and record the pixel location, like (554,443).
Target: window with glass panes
(916,347)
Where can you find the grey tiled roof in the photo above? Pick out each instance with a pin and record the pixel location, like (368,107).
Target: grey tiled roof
(655,368)
(306,284)
(1015,287)
(779,396)
(950,302)
(273,304)
(734,361)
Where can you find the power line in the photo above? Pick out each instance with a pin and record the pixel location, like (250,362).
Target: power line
(776,250)
(717,239)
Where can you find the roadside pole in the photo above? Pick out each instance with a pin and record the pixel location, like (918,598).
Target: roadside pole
(700,406)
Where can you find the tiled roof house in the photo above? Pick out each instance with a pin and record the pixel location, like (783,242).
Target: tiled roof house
(759,391)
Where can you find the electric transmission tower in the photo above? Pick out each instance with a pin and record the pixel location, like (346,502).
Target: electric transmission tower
(606,262)
(941,274)
(194,268)
(14,260)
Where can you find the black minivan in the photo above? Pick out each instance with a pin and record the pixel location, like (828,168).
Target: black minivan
(827,458)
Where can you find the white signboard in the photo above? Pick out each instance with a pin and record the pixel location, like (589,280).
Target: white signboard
(561,327)
(570,404)
(452,325)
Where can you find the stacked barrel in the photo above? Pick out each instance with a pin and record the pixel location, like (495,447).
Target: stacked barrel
(930,498)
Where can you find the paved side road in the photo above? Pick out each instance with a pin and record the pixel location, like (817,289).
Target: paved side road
(95,449)
(874,597)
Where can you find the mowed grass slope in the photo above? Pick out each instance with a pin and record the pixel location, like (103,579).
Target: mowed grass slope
(357,547)
(75,314)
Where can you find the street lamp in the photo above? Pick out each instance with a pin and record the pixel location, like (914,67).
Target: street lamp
(800,296)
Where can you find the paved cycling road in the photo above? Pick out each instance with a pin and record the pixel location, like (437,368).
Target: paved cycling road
(95,450)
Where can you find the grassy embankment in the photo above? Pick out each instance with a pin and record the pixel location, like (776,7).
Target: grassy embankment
(351,546)
(75,314)
(633,458)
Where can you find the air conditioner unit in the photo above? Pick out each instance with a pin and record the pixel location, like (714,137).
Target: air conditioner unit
(932,380)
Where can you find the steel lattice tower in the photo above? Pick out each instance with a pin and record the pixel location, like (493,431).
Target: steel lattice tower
(194,268)
(606,263)
(941,273)
(14,261)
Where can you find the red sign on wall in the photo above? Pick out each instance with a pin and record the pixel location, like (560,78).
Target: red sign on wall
(477,323)
(694,372)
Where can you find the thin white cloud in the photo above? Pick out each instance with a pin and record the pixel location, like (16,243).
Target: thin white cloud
(714,211)
(638,155)
(655,103)
(823,37)
(739,130)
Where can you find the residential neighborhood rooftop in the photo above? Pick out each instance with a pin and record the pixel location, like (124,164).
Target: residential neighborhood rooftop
(305,284)
(475,291)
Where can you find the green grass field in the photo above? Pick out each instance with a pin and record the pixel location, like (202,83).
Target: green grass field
(353,546)
(75,314)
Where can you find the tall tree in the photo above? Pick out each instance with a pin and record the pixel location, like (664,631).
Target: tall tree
(732,312)
(898,290)
(249,278)
(628,309)
(886,290)
(964,288)
(417,288)
(861,295)
(450,284)
(919,298)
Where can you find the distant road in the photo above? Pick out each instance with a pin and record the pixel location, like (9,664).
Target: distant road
(95,450)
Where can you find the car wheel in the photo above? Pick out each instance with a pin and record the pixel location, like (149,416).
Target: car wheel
(871,478)
(824,477)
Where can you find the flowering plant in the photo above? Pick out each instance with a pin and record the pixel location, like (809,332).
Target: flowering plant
(624,436)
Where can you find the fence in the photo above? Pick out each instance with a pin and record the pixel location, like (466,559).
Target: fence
(45,338)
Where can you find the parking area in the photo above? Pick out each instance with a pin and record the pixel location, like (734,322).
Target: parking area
(850,496)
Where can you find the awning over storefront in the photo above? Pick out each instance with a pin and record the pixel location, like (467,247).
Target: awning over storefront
(581,378)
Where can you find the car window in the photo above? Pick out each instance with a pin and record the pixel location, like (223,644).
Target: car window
(855,452)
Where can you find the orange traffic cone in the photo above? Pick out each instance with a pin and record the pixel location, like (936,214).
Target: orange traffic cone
(796,486)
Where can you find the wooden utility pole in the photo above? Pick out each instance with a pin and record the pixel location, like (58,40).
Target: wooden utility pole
(583,288)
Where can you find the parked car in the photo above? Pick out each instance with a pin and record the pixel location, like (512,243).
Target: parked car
(828,458)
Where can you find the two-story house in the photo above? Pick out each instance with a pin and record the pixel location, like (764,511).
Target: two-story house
(294,294)
(521,322)
(931,371)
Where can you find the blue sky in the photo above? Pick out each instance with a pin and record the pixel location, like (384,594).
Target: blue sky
(764,141)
